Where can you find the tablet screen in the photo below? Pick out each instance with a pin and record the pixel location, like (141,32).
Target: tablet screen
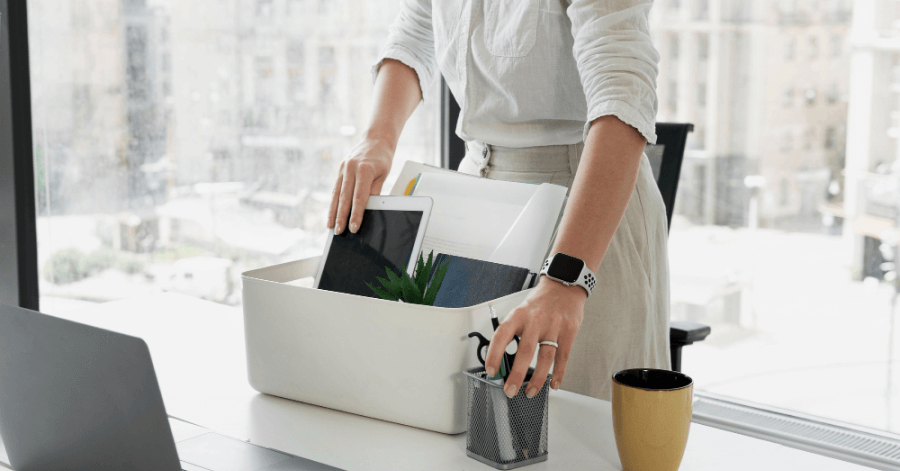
(385,238)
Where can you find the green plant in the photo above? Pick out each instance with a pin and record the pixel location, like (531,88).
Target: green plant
(66,266)
(100,260)
(131,266)
(422,288)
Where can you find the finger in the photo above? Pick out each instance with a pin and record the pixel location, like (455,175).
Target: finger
(502,337)
(364,175)
(346,198)
(546,354)
(524,355)
(335,195)
(566,340)
(376,186)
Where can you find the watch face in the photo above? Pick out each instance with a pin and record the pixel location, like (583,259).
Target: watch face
(565,267)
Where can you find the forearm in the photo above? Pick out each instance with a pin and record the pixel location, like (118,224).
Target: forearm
(397,94)
(603,186)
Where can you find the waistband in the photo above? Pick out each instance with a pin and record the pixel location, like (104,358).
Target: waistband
(540,159)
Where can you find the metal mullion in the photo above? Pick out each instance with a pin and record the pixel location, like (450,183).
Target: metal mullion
(18,228)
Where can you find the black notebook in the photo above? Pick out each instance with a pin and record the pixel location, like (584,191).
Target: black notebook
(469,282)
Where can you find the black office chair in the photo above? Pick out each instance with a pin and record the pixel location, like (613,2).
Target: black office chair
(665,160)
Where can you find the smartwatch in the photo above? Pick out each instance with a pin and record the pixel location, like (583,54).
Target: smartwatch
(569,271)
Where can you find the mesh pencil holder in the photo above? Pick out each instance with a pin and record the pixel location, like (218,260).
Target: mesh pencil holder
(504,432)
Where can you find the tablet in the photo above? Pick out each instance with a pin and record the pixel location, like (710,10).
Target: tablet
(390,236)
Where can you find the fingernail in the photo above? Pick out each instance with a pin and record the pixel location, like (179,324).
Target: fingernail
(554,385)
(337,229)
(531,393)
(512,390)
(354,227)
(490,371)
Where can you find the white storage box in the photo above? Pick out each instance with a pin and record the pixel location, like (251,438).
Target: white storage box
(383,359)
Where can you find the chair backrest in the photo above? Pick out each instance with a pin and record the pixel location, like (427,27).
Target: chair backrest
(666,157)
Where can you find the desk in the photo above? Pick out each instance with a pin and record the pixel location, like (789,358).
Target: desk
(198,352)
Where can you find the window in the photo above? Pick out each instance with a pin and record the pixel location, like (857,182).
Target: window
(810,96)
(833,93)
(808,136)
(264,8)
(784,192)
(787,96)
(702,9)
(837,45)
(672,97)
(297,8)
(703,47)
(701,95)
(264,83)
(789,47)
(168,139)
(327,7)
(327,75)
(830,137)
(760,263)
(786,142)
(674,47)
(296,63)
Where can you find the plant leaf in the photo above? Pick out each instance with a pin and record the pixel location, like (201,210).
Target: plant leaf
(421,273)
(380,292)
(411,293)
(392,288)
(395,280)
(422,281)
(436,283)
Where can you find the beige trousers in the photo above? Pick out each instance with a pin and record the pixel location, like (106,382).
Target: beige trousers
(626,319)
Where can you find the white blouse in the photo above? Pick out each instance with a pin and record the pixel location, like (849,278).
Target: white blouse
(533,72)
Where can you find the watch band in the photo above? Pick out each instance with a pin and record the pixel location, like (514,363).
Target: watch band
(586,279)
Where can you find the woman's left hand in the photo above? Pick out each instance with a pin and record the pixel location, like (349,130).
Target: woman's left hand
(552,311)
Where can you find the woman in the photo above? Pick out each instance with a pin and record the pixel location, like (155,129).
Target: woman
(546,87)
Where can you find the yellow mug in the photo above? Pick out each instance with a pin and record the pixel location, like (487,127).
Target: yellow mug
(651,417)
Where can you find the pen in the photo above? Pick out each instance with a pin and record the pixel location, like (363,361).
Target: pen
(500,402)
(504,363)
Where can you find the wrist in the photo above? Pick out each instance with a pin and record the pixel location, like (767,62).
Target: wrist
(546,284)
(381,139)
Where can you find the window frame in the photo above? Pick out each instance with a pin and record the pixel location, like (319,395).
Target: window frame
(19,257)
(18,219)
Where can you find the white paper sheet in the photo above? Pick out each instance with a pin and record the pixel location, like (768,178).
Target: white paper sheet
(528,239)
(505,222)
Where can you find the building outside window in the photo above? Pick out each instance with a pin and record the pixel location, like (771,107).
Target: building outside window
(778,283)
(168,142)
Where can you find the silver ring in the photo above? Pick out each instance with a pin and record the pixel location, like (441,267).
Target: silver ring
(550,343)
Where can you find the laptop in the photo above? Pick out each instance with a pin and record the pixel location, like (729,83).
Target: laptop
(75,397)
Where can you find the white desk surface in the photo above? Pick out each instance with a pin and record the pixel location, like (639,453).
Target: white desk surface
(198,353)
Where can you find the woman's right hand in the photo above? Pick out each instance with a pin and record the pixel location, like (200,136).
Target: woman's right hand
(361,174)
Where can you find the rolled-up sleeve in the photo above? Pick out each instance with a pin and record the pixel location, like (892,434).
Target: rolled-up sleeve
(617,61)
(411,41)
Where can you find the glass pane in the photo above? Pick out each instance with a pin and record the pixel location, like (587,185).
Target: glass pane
(785,232)
(180,143)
